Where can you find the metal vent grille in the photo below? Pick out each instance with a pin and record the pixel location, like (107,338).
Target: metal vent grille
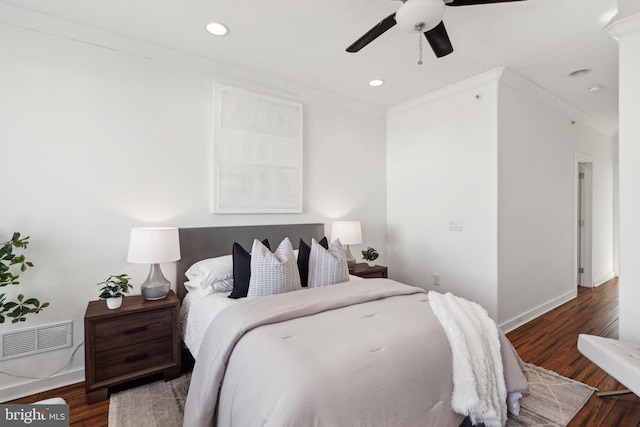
(35,340)
(52,337)
(18,343)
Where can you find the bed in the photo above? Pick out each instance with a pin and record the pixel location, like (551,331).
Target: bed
(362,352)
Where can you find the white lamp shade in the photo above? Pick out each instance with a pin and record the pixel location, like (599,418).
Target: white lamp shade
(153,245)
(349,232)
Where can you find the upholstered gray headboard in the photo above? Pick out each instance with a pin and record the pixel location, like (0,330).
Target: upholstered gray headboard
(207,242)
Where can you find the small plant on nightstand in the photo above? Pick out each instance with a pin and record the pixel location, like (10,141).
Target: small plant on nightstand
(370,255)
(114,289)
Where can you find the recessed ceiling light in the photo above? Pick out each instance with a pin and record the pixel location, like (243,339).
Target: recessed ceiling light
(376,82)
(581,72)
(595,88)
(217,29)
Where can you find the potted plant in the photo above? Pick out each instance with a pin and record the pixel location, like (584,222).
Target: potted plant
(17,310)
(114,289)
(370,255)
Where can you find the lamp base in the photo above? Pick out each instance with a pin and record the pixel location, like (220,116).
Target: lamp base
(351,261)
(156,286)
(149,296)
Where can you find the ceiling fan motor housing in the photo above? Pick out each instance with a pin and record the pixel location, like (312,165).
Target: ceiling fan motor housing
(420,15)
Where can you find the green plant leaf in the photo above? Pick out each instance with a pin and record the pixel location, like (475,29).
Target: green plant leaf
(17,310)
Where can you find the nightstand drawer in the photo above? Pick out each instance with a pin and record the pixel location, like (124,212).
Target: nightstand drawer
(125,330)
(135,357)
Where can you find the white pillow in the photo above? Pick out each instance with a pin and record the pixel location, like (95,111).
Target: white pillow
(273,273)
(327,267)
(210,276)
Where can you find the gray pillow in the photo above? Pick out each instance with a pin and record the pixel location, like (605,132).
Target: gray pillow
(273,273)
(327,266)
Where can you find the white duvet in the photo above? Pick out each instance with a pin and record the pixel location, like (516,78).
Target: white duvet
(359,354)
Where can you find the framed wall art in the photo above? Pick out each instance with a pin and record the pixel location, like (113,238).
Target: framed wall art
(257,152)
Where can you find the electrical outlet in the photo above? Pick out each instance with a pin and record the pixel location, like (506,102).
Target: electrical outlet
(436,279)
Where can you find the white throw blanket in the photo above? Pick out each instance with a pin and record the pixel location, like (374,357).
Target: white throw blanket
(479,389)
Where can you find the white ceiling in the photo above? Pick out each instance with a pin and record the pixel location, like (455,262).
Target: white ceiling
(304,42)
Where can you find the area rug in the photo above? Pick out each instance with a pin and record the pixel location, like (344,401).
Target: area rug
(554,400)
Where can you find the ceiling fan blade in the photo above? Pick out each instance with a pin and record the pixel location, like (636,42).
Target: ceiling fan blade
(439,40)
(373,33)
(472,2)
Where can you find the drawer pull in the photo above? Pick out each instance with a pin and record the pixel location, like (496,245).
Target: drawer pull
(135,358)
(135,330)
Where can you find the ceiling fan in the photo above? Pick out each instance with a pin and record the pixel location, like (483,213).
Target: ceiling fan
(420,16)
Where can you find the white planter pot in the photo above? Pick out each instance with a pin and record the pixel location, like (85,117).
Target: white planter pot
(371,263)
(114,303)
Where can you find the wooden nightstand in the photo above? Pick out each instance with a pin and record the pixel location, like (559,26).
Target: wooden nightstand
(363,270)
(136,340)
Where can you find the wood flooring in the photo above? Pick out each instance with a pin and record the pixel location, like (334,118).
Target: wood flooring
(549,341)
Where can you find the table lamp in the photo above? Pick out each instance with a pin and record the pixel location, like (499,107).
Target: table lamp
(153,245)
(349,233)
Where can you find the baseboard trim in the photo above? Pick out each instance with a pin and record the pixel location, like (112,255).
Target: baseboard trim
(38,386)
(603,279)
(538,311)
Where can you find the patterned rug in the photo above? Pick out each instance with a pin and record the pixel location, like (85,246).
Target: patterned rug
(159,404)
(554,400)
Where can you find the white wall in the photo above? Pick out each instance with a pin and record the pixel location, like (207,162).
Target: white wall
(538,143)
(626,28)
(442,166)
(501,158)
(96,140)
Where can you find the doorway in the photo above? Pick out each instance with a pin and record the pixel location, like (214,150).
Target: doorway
(583,226)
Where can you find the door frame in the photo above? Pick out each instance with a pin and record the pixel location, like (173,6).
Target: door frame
(583,248)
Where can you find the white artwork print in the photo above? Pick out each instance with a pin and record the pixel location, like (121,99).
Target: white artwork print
(257,156)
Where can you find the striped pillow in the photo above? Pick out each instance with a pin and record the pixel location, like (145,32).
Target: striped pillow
(327,267)
(273,273)
(303,259)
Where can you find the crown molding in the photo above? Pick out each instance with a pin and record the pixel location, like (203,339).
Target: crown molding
(26,19)
(463,86)
(623,27)
(507,77)
(515,81)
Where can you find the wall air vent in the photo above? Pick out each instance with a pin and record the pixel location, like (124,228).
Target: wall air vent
(36,340)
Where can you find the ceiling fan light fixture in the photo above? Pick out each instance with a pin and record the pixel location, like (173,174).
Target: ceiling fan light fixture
(376,82)
(420,15)
(217,29)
